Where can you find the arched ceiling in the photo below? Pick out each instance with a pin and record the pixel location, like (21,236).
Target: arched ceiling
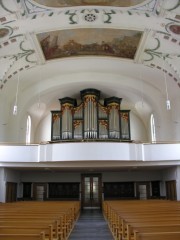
(128,49)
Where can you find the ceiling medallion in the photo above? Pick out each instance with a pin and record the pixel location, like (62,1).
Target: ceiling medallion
(90,17)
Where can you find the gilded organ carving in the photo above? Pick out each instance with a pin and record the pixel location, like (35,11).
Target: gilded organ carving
(90,119)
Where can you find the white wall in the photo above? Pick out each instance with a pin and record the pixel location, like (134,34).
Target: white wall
(5,117)
(138,130)
(178,183)
(176,119)
(2,185)
(102,151)
(43,131)
(12,175)
(170,174)
(7,175)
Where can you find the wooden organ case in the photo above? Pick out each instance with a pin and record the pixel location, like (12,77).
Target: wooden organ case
(90,119)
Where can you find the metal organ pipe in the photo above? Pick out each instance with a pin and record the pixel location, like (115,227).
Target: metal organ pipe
(90,117)
(67,122)
(114,122)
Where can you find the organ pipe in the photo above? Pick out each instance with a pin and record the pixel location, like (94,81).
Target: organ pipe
(91,119)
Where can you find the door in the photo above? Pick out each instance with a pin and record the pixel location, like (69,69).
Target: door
(143,190)
(11,191)
(39,191)
(171,193)
(91,191)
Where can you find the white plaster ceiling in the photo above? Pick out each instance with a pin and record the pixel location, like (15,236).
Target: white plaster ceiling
(140,82)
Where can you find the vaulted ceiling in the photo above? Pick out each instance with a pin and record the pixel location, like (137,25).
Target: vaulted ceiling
(144,72)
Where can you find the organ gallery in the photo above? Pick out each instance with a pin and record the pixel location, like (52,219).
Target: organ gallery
(91,118)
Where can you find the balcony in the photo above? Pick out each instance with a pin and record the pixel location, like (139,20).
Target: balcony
(84,151)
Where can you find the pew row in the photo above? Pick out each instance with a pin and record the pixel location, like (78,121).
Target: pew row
(157,236)
(8,236)
(136,220)
(52,220)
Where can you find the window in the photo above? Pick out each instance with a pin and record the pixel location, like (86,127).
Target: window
(153,130)
(28,130)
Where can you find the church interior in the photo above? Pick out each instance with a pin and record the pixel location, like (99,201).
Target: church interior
(89,103)
(89,119)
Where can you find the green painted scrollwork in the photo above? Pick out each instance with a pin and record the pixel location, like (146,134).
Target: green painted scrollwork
(4,7)
(175,6)
(153,52)
(25,53)
(109,17)
(71,17)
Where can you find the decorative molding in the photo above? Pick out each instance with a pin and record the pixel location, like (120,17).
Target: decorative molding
(73,17)
(33,10)
(24,68)
(141,46)
(4,7)
(90,17)
(153,51)
(147,7)
(37,49)
(168,73)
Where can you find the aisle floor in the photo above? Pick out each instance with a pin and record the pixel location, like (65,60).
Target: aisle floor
(91,225)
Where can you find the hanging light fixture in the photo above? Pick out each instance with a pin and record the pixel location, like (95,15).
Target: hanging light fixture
(168,102)
(15,108)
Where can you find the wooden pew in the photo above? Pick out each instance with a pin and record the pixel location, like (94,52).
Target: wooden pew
(26,223)
(119,226)
(61,216)
(8,236)
(157,236)
(48,231)
(142,228)
(124,216)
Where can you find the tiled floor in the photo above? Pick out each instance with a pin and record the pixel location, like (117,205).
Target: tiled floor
(91,225)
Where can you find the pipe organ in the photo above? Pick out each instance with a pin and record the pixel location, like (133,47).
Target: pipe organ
(90,119)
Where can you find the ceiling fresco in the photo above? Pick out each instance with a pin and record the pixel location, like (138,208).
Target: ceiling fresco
(89,41)
(158,20)
(68,3)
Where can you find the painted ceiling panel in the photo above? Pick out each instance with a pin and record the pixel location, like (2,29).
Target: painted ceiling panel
(69,3)
(90,41)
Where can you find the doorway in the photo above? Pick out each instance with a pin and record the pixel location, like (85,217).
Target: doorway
(11,192)
(143,190)
(39,191)
(171,193)
(91,189)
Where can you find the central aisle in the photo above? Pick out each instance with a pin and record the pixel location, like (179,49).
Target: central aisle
(91,225)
